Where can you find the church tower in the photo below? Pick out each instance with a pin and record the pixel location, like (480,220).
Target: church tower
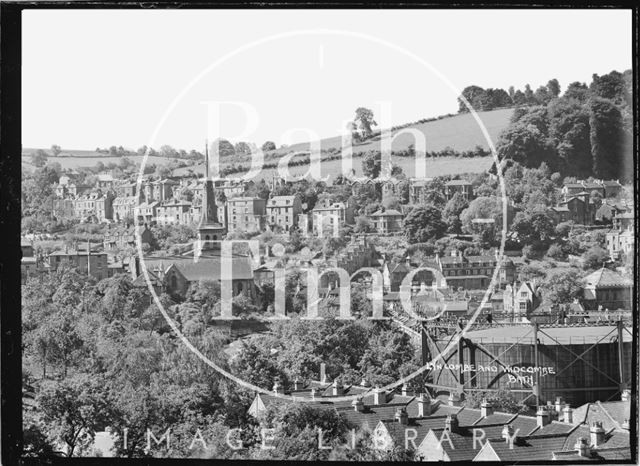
(210,230)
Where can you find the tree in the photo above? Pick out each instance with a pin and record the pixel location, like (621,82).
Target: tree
(224,147)
(569,129)
(611,86)
(424,223)
(242,148)
(577,90)
(473,94)
(372,164)
(55,150)
(528,95)
(254,364)
(39,158)
(268,146)
(555,252)
(452,211)
(594,258)
(163,171)
(502,400)
(113,150)
(542,95)
(481,207)
(534,229)
(364,120)
(553,86)
(519,98)
(607,136)
(525,143)
(363,225)
(73,410)
(561,286)
(168,151)
(497,98)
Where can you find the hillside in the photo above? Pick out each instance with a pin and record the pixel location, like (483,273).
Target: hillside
(459,132)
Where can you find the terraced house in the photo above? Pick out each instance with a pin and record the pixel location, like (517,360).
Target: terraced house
(246,214)
(283,211)
(474,272)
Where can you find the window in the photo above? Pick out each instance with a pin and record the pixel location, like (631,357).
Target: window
(524,294)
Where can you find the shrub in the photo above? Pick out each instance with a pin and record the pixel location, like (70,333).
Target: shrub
(555,252)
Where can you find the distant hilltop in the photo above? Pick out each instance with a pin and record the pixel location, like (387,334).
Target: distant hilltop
(457,133)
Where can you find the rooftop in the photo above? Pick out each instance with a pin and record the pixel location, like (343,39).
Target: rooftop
(524,334)
(606,278)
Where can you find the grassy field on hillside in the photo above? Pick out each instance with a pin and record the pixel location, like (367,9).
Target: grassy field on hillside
(460,133)
(93,159)
(435,167)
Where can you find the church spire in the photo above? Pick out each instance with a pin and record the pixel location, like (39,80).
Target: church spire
(209,208)
(206,159)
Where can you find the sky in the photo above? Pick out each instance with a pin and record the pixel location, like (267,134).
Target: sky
(96,78)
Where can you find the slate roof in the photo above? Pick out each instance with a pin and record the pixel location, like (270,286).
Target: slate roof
(554,428)
(142,282)
(371,415)
(451,260)
(596,455)
(495,418)
(207,267)
(456,306)
(529,448)
(611,413)
(606,278)
(462,446)
(397,431)
(458,183)
(386,213)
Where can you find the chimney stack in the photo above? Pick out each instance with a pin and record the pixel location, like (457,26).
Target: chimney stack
(424,405)
(451,423)
(278,389)
(401,416)
(378,396)
(542,417)
(364,383)
(568,414)
(358,405)
(582,447)
(626,395)
(597,434)
(625,425)
(323,372)
(313,393)
(454,399)
(296,384)
(337,388)
(405,389)
(486,408)
(559,405)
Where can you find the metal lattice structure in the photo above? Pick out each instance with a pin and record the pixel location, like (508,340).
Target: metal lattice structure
(579,362)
